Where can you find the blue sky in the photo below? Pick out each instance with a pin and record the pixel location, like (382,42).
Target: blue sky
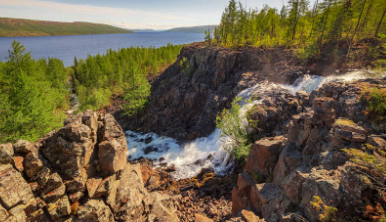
(131,14)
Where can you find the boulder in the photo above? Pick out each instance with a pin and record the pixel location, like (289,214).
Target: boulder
(59,208)
(92,185)
(241,193)
(290,158)
(3,213)
(324,184)
(127,194)
(95,210)
(264,155)
(104,186)
(249,216)
(162,208)
(70,149)
(53,188)
(112,129)
(14,190)
(112,155)
(293,183)
(324,109)
(17,214)
(6,153)
(23,146)
(201,218)
(353,186)
(33,163)
(18,162)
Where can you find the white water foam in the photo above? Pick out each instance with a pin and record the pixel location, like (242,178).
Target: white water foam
(211,152)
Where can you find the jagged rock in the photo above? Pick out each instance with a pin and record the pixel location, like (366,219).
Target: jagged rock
(201,218)
(111,128)
(42,176)
(53,188)
(377,142)
(14,190)
(324,109)
(264,155)
(249,216)
(6,153)
(353,187)
(23,146)
(293,217)
(92,185)
(241,198)
(289,160)
(293,184)
(3,213)
(95,210)
(104,186)
(112,154)
(265,193)
(162,208)
(78,183)
(274,210)
(17,214)
(18,162)
(55,194)
(127,193)
(75,197)
(70,149)
(320,183)
(59,208)
(33,163)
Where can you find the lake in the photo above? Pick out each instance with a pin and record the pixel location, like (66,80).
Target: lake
(67,47)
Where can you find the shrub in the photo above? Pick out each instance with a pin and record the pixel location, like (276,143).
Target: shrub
(376,100)
(232,128)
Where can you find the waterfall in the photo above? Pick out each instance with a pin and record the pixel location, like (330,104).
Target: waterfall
(211,152)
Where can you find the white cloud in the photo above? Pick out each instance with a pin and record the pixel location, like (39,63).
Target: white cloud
(87,9)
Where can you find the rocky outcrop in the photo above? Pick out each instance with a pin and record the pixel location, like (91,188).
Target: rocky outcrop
(188,95)
(77,173)
(304,173)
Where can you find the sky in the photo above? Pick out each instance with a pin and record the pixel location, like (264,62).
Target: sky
(129,14)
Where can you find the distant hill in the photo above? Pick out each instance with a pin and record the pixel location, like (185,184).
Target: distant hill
(22,27)
(193,29)
(143,30)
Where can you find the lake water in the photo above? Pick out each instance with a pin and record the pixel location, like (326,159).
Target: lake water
(67,47)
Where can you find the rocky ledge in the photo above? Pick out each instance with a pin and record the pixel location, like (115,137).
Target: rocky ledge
(77,173)
(301,170)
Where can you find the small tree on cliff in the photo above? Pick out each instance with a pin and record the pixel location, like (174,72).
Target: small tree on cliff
(208,37)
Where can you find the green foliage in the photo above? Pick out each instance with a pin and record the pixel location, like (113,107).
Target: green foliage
(185,66)
(258,177)
(328,213)
(365,159)
(33,96)
(124,71)
(23,27)
(376,99)
(312,30)
(232,127)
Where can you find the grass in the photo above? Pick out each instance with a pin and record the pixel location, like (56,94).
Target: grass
(344,122)
(23,27)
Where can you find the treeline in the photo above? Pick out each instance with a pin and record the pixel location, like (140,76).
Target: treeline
(122,72)
(33,95)
(300,24)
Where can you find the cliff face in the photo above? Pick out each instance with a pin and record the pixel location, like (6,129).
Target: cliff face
(77,173)
(187,97)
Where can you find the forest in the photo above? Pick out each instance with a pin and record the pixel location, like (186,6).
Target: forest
(312,29)
(35,94)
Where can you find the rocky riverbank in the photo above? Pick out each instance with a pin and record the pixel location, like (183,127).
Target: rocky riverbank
(77,173)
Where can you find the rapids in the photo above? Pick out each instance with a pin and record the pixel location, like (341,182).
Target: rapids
(210,152)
